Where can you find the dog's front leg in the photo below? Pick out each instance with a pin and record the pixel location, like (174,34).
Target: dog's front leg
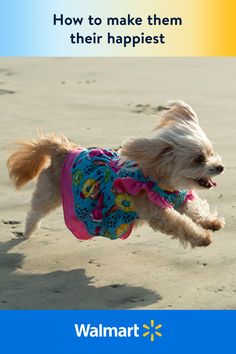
(171,222)
(198,210)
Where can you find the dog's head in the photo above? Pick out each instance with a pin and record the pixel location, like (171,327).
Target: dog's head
(179,155)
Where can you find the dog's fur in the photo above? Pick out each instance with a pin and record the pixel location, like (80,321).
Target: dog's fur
(171,157)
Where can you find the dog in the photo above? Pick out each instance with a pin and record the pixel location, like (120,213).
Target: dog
(152,180)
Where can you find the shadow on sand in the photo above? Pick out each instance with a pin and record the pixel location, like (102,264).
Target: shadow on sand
(62,289)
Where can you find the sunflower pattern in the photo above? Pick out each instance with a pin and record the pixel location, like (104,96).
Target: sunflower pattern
(124,202)
(104,206)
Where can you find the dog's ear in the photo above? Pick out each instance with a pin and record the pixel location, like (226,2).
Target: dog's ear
(176,111)
(136,148)
(146,152)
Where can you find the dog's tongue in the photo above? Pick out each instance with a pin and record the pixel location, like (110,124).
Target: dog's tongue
(212,183)
(207,182)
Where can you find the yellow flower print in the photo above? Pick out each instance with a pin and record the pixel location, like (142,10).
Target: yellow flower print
(124,202)
(88,187)
(122,229)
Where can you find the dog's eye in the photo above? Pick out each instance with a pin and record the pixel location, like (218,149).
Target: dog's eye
(200,159)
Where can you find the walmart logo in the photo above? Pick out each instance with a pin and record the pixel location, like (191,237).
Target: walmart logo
(152,330)
(100,331)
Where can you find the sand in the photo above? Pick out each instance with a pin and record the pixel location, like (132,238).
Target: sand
(100,102)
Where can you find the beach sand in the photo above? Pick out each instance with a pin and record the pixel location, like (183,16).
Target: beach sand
(100,102)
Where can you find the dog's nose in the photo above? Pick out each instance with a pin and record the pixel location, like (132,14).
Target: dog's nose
(220,168)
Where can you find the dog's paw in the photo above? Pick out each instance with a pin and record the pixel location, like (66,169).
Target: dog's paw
(203,241)
(215,224)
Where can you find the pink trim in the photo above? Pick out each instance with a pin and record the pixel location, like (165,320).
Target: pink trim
(190,196)
(133,187)
(126,235)
(76,226)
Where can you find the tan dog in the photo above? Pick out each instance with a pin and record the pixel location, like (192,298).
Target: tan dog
(178,156)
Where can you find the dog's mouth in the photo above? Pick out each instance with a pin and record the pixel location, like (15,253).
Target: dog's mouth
(205,182)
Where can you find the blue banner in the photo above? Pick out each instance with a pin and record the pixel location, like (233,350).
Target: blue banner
(117,331)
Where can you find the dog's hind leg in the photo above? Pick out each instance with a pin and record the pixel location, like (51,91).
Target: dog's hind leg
(46,198)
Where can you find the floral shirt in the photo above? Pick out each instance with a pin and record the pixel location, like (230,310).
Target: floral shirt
(97,192)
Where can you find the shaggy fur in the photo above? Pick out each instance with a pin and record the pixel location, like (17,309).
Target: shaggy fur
(178,155)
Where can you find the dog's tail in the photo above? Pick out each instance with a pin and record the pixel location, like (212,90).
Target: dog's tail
(32,156)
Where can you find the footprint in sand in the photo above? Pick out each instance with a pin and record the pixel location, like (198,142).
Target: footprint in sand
(204,264)
(92,261)
(147,109)
(18,234)
(6,72)
(115,286)
(6,92)
(11,222)
(87,82)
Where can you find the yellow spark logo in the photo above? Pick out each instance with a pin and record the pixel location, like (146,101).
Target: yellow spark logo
(152,330)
